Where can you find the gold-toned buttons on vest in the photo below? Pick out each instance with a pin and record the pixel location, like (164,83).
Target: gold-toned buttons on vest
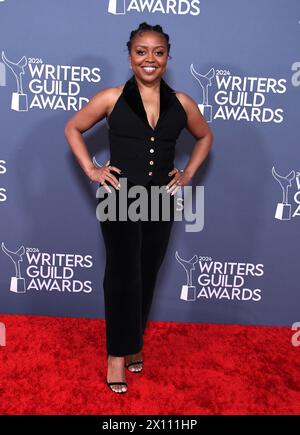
(151,162)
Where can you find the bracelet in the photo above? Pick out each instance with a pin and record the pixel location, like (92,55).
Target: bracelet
(96,164)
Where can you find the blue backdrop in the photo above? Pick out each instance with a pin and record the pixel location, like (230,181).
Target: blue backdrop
(240,62)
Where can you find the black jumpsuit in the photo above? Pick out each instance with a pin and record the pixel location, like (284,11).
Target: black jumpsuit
(135,249)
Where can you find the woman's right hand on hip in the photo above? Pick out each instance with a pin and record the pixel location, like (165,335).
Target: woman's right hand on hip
(103,174)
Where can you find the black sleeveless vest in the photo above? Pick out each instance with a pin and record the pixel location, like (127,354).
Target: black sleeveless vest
(141,152)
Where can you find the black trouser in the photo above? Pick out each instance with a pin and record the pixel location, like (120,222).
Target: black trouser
(134,253)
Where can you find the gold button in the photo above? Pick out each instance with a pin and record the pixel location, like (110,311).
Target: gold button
(152,138)
(151,150)
(151,162)
(149,173)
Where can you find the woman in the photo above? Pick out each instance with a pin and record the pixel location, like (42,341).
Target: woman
(145,116)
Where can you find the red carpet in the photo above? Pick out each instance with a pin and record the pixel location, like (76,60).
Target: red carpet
(54,365)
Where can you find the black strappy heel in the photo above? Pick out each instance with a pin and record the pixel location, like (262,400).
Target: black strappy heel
(116,383)
(134,363)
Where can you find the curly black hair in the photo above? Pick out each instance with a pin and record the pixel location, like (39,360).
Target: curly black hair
(146,26)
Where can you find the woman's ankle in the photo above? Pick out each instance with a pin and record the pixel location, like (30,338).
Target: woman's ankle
(114,358)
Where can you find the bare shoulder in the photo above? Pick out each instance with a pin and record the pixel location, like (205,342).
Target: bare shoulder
(113,95)
(187,102)
(108,96)
(196,123)
(98,107)
(114,91)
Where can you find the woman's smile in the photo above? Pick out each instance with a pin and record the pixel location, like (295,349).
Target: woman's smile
(149,69)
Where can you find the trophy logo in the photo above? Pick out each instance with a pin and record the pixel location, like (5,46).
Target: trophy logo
(19,99)
(17,283)
(2,74)
(188,291)
(283,209)
(116,7)
(204,81)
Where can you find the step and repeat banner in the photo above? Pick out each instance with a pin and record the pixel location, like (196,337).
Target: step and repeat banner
(240,61)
